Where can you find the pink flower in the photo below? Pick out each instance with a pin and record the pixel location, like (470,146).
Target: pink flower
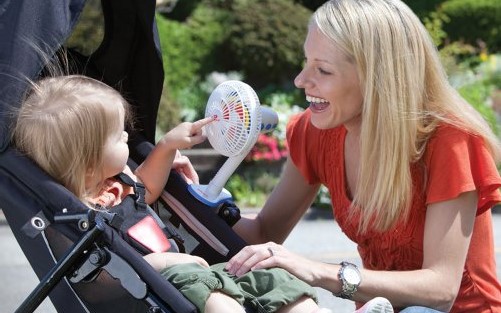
(267,148)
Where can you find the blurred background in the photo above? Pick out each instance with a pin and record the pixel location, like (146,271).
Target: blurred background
(205,42)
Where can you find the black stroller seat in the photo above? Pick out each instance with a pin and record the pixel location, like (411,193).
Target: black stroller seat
(83,263)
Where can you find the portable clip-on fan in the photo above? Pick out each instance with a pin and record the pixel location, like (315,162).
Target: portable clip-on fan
(238,120)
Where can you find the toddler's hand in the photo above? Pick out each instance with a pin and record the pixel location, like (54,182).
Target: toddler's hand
(183,166)
(186,135)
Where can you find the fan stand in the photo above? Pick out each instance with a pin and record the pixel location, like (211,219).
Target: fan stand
(236,110)
(202,194)
(239,119)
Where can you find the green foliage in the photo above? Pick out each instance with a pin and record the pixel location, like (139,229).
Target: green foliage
(194,97)
(477,94)
(434,23)
(423,8)
(208,29)
(252,183)
(89,31)
(266,40)
(456,56)
(168,117)
(188,51)
(477,85)
(474,20)
(180,63)
(323,198)
(187,47)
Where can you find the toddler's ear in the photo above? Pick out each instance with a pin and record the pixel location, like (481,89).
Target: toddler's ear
(92,176)
(89,174)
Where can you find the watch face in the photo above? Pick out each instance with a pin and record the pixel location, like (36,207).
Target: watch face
(351,275)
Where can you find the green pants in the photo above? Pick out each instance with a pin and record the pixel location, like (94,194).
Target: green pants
(265,290)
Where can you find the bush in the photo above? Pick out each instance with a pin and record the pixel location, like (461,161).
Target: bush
(251,188)
(188,52)
(89,31)
(474,20)
(179,64)
(423,8)
(266,40)
(168,117)
(187,48)
(478,94)
(477,85)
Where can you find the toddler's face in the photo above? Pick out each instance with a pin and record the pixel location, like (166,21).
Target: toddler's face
(116,151)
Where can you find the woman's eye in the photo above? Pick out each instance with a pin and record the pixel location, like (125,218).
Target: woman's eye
(323,72)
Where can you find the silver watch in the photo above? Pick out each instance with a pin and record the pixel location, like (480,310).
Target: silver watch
(350,278)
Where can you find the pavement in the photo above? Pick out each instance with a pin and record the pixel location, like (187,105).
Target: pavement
(317,236)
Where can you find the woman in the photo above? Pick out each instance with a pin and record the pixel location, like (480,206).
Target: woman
(410,166)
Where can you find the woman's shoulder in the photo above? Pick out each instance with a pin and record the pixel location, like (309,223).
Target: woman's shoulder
(448,135)
(458,161)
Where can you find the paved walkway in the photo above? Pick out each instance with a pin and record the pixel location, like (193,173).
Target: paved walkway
(316,236)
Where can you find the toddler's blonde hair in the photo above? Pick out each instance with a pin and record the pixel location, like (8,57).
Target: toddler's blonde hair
(63,125)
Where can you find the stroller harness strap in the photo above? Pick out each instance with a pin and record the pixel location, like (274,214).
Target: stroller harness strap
(139,225)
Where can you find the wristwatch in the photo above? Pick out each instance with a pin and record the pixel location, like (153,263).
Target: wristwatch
(350,277)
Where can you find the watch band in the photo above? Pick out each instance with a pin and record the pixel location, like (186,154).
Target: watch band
(348,287)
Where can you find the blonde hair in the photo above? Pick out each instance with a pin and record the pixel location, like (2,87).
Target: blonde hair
(406,95)
(63,125)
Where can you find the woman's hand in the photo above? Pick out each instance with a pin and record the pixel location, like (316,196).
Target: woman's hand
(161,260)
(269,255)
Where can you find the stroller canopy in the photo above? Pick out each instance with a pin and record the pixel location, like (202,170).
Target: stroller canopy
(128,59)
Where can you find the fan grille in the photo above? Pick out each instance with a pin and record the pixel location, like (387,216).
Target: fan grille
(235,108)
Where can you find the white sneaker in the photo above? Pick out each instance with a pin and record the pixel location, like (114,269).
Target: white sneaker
(376,305)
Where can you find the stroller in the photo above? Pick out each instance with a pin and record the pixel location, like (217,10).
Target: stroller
(82,263)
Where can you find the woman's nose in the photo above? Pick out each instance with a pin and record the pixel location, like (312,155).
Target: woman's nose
(299,80)
(302,81)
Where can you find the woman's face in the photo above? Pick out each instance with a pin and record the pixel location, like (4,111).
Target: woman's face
(331,84)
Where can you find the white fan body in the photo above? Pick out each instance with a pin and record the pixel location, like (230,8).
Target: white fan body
(234,131)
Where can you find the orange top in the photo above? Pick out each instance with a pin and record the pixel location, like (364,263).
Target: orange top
(454,162)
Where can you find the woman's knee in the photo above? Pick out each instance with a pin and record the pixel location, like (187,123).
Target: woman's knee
(419,309)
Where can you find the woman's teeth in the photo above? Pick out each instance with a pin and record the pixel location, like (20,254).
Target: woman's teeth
(317,104)
(315,100)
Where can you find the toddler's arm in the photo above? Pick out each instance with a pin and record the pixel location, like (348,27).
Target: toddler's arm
(154,171)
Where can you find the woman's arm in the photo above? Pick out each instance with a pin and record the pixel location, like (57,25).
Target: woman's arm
(289,200)
(286,205)
(447,234)
(448,229)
